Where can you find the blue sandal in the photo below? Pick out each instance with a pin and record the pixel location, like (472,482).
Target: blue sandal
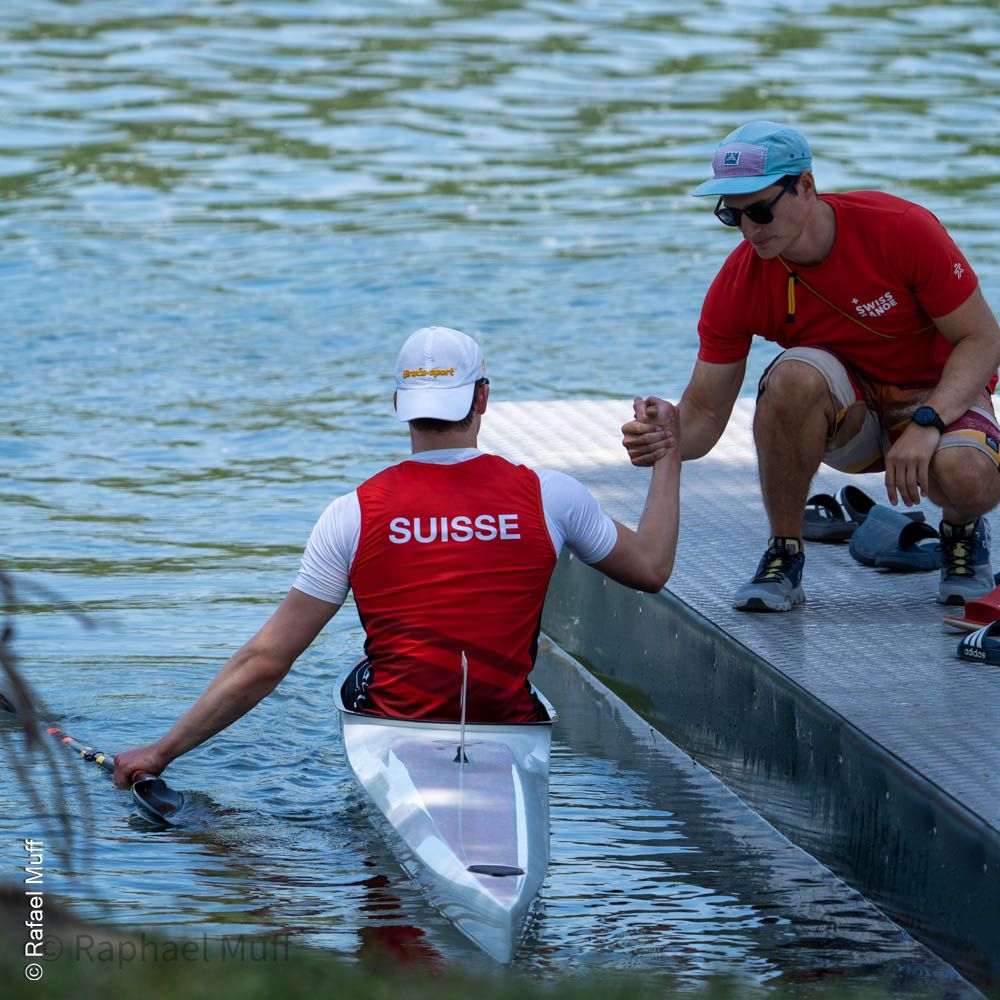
(824,520)
(829,518)
(888,539)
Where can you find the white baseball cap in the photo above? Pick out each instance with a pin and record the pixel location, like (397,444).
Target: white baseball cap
(436,373)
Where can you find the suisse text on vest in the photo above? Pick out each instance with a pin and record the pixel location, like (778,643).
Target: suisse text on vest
(485,527)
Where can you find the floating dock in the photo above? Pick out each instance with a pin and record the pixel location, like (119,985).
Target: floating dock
(849,723)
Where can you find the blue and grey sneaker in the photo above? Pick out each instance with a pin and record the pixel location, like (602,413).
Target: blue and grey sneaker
(966,573)
(777,585)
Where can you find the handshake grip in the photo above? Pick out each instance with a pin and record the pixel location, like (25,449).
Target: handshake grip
(653,432)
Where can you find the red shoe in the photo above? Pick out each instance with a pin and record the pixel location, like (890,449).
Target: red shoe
(982,611)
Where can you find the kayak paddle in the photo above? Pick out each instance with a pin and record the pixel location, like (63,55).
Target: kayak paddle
(158,801)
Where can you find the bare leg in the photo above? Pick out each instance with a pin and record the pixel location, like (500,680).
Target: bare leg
(964,484)
(794,416)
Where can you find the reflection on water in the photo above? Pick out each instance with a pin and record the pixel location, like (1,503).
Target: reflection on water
(656,867)
(218,220)
(676,874)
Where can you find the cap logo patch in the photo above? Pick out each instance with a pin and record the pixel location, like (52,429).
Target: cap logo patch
(425,372)
(743,159)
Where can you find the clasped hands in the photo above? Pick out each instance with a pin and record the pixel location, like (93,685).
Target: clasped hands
(654,432)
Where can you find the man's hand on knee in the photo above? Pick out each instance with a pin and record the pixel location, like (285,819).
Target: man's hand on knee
(907,465)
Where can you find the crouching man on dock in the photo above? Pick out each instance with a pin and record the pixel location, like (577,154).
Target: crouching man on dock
(448,552)
(889,364)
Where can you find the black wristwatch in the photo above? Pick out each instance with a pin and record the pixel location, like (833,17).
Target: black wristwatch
(927,416)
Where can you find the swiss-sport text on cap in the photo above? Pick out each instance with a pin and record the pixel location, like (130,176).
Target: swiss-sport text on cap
(436,374)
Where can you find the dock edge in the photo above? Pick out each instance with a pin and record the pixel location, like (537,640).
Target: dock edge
(927,861)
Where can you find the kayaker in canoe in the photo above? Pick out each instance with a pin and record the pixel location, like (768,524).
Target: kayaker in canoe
(448,552)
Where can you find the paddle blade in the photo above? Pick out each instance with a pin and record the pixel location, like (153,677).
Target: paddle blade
(157,800)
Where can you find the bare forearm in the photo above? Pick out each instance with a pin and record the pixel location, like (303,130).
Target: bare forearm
(644,558)
(247,678)
(702,428)
(250,675)
(659,524)
(968,370)
(973,331)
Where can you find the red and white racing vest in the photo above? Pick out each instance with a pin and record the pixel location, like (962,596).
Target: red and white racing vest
(452,558)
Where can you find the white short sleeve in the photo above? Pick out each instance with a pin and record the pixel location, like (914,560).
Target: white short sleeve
(575,518)
(324,571)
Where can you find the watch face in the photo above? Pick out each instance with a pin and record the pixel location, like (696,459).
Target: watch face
(927,416)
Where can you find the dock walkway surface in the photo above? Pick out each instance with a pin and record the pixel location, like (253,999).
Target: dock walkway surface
(849,722)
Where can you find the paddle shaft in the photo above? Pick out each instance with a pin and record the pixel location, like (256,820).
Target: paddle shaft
(103,760)
(150,792)
(87,753)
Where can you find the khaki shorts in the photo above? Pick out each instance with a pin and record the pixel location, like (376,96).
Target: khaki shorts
(889,409)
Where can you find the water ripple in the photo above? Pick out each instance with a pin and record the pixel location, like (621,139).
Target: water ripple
(218,220)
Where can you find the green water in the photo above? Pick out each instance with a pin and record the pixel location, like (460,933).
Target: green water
(219,220)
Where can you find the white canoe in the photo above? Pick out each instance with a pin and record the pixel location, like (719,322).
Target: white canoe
(473,836)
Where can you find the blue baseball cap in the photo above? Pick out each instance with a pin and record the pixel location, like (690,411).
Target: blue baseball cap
(754,157)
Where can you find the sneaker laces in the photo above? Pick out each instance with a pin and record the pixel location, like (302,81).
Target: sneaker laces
(957,558)
(958,554)
(774,565)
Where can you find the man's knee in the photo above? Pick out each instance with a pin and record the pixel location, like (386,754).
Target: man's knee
(794,387)
(967,477)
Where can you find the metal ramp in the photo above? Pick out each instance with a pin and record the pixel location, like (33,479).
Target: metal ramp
(863,736)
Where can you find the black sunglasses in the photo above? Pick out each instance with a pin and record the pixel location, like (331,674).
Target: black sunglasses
(758,212)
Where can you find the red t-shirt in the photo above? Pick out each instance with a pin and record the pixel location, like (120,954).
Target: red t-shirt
(893,266)
(452,558)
